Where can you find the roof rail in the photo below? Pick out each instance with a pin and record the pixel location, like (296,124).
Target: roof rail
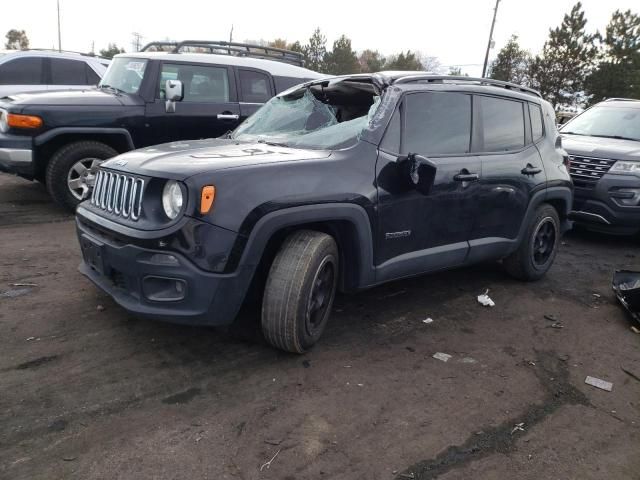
(55,50)
(620,99)
(453,78)
(230,48)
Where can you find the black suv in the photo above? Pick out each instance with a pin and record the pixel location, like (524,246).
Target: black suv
(603,143)
(61,137)
(346,182)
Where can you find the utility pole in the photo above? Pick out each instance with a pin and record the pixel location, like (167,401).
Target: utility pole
(59,36)
(231,34)
(486,55)
(135,43)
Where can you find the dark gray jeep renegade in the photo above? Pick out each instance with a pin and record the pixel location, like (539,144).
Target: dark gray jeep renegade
(339,183)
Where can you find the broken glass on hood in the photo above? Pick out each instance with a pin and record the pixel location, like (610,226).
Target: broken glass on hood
(302,119)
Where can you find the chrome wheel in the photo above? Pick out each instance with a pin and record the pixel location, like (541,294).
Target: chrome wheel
(544,241)
(82,177)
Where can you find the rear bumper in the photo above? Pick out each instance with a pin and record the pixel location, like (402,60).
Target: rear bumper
(603,207)
(136,279)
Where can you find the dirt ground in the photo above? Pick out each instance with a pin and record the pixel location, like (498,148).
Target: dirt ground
(88,392)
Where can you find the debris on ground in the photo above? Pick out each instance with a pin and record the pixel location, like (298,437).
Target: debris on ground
(630,373)
(268,464)
(306,363)
(444,357)
(468,360)
(635,330)
(23,284)
(100,308)
(626,286)
(14,293)
(555,325)
(427,320)
(598,383)
(275,442)
(395,294)
(519,427)
(551,317)
(485,300)
(30,338)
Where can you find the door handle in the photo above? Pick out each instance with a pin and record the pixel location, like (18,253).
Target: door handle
(465,176)
(530,170)
(227,116)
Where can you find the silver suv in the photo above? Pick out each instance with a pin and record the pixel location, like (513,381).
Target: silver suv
(37,70)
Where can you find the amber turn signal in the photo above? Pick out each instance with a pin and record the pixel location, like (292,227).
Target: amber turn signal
(206,198)
(15,120)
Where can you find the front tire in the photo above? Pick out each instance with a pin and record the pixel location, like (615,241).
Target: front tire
(538,248)
(71,171)
(299,291)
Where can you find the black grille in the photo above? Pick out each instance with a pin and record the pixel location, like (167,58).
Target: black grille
(586,171)
(119,194)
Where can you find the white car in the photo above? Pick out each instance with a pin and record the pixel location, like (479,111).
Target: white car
(37,70)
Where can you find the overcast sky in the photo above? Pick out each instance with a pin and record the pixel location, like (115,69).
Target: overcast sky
(455,31)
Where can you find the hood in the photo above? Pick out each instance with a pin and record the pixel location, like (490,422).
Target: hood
(599,147)
(180,160)
(89,97)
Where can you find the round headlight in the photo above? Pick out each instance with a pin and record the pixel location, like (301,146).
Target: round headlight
(172,199)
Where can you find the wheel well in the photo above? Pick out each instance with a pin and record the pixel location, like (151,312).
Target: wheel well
(343,232)
(45,151)
(560,205)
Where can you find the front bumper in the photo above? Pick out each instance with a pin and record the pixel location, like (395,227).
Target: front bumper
(601,208)
(131,276)
(16,155)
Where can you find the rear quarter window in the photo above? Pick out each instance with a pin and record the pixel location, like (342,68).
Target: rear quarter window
(502,123)
(255,87)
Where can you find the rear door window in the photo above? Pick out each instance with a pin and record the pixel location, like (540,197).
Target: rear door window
(68,72)
(201,83)
(503,123)
(22,71)
(437,123)
(255,87)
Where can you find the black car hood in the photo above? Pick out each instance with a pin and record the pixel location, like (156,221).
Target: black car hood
(89,97)
(599,147)
(180,160)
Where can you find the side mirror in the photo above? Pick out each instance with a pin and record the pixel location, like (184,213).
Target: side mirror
(173,92)
(420,171)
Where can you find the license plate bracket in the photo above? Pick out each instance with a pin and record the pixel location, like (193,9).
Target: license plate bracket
(93,253)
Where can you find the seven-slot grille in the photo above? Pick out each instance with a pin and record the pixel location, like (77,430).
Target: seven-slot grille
(586,171)
(118,193)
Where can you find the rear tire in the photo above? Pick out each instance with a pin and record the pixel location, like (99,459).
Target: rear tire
(74,165)
(538,248)
(300,290)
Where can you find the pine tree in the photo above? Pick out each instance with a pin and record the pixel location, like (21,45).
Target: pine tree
(566,60)
(371,61)
(111,50)
(511,64)
(618,72)
(316,51)
(404,61)
(342,59)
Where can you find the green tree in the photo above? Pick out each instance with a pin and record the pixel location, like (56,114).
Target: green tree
(566,60)
(111,50)
(512,63)
(342,59)
(296,47)
(315,52)
(16,40)
(618,71)
(278,43)
(371,61)
(404,61)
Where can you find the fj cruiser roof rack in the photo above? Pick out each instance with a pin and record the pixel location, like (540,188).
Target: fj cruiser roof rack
(229,48)
(458,79)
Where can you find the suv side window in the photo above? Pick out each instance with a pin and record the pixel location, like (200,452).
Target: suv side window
(255,87)
(391,141)
(68,72)
(437,123)
(92,77)
(201,83)
(22,71)
(537,126)
(503,123)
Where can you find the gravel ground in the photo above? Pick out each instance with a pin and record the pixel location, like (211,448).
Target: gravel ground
(88,392)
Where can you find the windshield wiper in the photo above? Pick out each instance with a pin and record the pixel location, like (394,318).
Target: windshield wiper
(572,133)
(617,137)
(117,90)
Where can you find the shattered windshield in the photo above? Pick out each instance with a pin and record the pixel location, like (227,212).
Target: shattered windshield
(313,117)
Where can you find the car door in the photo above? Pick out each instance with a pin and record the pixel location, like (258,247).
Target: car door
(256,88)
(208,109)
(22,74)
(512,171)
(69,74)
(420,232)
